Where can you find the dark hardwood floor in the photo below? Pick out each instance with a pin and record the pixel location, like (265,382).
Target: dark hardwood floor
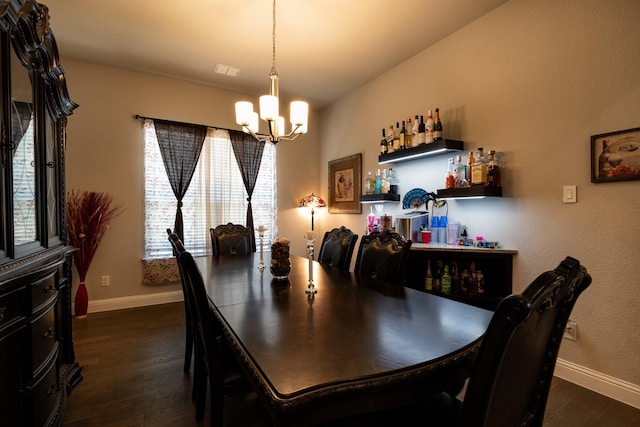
(133,377)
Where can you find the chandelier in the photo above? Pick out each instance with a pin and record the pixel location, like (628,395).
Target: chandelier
(269,108)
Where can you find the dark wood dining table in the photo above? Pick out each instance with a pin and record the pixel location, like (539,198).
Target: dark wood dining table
(357,346)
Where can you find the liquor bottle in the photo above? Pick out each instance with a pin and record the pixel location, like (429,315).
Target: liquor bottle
(437,277)
(428,278)
(479,169)
(455,278)
(458,172)
(414,132)
(403,136)
(480,278)
(390,139)
(472,288)
(464,281)
(422,138)
(371,184)
(449,181)
(392,182)
(378,185)
(396,137)
(437,126)
(408,142)
(445,281)
(383,179)
(470,162)
(428,128)
(383,143)
(493,171)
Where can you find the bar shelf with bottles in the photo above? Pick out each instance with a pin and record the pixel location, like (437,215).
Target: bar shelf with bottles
(496,265)
(434,148)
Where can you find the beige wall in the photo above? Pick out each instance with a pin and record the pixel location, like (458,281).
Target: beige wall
(105,153)
(532,80)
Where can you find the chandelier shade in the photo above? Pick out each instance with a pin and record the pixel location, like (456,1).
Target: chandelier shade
(270,108)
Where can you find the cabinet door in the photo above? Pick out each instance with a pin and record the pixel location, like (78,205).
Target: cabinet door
(23,161)
(52,180)
(11,369)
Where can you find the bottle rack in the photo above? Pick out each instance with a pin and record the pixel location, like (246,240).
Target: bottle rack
(424,150)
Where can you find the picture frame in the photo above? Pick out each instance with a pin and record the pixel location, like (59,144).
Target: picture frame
(615,156)
(345,185)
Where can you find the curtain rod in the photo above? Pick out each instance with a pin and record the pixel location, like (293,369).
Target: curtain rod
(143,118)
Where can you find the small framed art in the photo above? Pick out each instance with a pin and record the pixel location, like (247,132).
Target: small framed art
(345,178)
(615,156)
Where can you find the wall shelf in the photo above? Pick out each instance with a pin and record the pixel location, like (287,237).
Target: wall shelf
(424,150)
(479,191)
(379,198)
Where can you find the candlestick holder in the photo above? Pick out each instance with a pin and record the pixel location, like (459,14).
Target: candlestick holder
(310,236)
(261,230)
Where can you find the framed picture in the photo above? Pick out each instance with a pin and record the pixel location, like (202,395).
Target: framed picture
(615,156)
(345,178)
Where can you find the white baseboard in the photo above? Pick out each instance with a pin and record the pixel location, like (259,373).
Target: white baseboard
(606,385)
(611,387)
(96,306)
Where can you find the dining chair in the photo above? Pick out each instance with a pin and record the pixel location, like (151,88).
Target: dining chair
(337,248)
(231,239)
(233,381)
(513,370)
(178,247)
(215,363)
(383,255)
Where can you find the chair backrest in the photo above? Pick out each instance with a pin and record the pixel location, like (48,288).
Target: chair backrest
(512,374)
(231,239)
(337,248)
(383,255)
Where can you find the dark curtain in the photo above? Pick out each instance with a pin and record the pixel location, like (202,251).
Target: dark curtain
(248,152)
(180,146)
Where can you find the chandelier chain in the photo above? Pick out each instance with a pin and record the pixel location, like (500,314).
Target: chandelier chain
(273,38)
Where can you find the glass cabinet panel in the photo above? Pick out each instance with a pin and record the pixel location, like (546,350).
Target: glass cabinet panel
(52,177)
(23,159)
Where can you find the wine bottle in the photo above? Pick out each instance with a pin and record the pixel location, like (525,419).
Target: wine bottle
(428,277)
(421,132)
(396,137)
(403,136)
(383,143)
(408,141)
(437,126)
(429,128)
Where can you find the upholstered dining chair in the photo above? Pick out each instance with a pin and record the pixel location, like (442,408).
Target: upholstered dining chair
(512,374)
(178,247)
(383,255)
(337,248)
(211,359)
(231,239)
(212,356)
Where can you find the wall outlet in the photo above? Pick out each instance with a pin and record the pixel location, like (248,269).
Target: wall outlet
(571,330)
(105,281)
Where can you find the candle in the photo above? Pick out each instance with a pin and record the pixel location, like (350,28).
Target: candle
(261,228)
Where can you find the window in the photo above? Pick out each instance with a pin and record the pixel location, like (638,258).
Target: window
(215,196)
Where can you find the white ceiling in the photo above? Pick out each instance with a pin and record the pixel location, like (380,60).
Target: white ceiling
(324,48)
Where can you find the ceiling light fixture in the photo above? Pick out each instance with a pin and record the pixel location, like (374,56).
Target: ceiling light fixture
(269,108)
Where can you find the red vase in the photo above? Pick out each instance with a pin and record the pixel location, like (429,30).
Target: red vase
(82,301)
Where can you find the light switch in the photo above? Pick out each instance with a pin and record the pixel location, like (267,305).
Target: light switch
(569,194)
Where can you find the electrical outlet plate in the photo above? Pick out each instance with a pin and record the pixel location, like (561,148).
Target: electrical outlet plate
(571,330)
(105,281)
